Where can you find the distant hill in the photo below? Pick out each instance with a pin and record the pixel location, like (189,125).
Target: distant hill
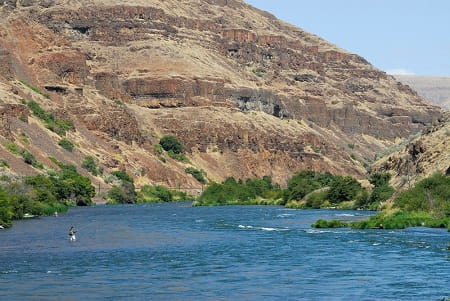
(435,89)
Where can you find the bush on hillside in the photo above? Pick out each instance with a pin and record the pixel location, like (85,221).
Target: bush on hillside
(90,165)
(171,143)
(197,174)
(66,144)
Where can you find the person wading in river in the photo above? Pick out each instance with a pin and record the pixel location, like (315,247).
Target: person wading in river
(72,234)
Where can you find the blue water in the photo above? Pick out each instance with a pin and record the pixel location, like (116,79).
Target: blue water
(177,252)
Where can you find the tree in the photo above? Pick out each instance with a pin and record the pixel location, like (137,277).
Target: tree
(6,210)
(305,182)
(123,176)
(343,189)
(379,179)
(382,190)
(171,143)
(118,195)
(70,185)
(127,193)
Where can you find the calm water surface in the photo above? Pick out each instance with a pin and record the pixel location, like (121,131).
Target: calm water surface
(177,252)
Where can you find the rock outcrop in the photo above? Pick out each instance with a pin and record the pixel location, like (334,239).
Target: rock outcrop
(421,156)
(247,94)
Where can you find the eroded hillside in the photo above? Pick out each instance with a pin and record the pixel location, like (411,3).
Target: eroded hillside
(421,157)
(247,94)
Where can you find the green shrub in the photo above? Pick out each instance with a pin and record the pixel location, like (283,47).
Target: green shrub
(90,165)
(197,174)
(401,220)
(30,159)
(381,194)
(66,144)
(305,182)
(343,189)
(3,163)
(13,148)
(58,126)
(257,72)
(118,195)
(429,195)
(25,139)
(158,149)
(125,193)
(178,157)
(34,88)
(123,176)
(25,154)
(329,224)
(230,191)
(67,184)
(56,161)
(157,194)
(171,143)
(43,195)
(317,200)
(6,209)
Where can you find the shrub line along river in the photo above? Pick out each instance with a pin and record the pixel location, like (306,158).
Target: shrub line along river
(178,252)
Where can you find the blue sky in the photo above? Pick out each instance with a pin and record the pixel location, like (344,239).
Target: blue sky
(397,36)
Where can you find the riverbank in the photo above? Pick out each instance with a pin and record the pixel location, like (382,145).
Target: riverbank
(389,219)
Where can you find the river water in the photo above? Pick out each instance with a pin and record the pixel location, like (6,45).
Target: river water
(178,252)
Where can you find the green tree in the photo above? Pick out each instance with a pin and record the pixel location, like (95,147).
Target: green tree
(305,182)
(171,143)
(343,189)
(379,179)
(118,195)
(6,210)
(70,185)
(123,176)
(127,193)
(163,194)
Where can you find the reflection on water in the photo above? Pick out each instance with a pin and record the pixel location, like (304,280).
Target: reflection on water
(177,252)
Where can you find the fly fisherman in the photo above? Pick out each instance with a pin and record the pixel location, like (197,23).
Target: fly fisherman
(72,234)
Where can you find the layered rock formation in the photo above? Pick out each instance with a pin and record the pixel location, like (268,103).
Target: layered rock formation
(247,94)
(421,157)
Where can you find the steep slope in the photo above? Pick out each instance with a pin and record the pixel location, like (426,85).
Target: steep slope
(247,94)
(435,89)
(420,157)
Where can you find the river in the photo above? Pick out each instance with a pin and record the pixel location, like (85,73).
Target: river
(178,252)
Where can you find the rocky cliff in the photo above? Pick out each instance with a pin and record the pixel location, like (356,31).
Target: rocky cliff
(419,157)
(247,94)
